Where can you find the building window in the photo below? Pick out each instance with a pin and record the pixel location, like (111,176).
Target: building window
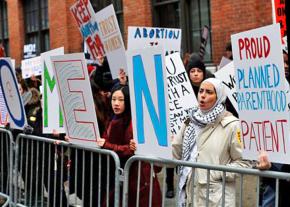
(4,38)
(37,24)
(118,6)
(189,15)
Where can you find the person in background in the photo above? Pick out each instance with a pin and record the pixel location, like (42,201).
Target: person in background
(196,72)
(229,51)
(118,137)
(210,135)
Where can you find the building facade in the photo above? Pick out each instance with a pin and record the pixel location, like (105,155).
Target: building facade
(49,23)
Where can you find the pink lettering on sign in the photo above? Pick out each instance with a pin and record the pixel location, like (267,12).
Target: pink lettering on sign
(252,48)
(264,135)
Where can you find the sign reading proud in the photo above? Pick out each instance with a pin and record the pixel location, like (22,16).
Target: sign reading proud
(261,96)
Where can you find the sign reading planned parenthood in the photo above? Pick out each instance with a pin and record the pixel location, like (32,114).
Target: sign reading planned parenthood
(261,95)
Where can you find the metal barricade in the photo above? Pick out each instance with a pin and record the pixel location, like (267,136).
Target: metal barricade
(4,200)
(56,173)
(242,172)
(6,161)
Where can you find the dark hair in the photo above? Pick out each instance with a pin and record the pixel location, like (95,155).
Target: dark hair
(125,91)
(229,46)
(195,62)
(103,109)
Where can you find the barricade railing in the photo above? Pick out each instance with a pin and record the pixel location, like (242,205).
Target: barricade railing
(175,163)
(4,200)
(6,161)
(56,173)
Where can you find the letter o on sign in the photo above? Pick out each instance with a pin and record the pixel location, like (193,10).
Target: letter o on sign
(11,94)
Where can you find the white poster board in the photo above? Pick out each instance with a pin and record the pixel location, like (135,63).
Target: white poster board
(149,105)
(261,95)
(112,39)
(227,75)
(31,67)
(180,92)
(51,112)
(101,34)
(140,37)
(11,95)
(76,99)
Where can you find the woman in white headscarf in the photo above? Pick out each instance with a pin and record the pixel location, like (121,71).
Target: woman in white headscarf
(210,135)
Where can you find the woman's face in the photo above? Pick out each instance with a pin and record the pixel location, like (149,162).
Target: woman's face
(196,75)
(206,96)
(118,102)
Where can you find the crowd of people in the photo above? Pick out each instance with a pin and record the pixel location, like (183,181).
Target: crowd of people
(209,135)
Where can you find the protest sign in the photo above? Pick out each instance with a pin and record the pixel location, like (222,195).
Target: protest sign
(279,15)
(29,51)
(3,110)
(261,96)
(149,105)
(31,67)
(101,33)
(180,92)
(140,37)
(112,39)
(76,99)
(11,95)
(51,113)
(227,76)
(85,17)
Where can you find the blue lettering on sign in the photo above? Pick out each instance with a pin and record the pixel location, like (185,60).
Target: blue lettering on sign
(141,88)
(19,122)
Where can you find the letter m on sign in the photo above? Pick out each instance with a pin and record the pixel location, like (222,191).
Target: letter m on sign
(141,89)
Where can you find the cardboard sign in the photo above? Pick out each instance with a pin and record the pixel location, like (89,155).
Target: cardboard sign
(180,92)
(52,115)
(261,95)
(112,39)
(168,38)
(76,99)
(31,67)
(11,95)
(227,76)
(149,105)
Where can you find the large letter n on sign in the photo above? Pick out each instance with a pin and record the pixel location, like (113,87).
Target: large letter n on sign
(141,89)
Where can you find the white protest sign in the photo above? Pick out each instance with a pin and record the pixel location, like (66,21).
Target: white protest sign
(11,95)
(149,105)
(51,113)
(85,17)
(3,110)
(112,39)
(31,67)
(227,76)
(140,37)
(76,99)
(261,96)
(180,92)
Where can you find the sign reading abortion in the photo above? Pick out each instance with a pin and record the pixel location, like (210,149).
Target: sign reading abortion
(11,95)
(112,39)
(85,17)
(180,93)
(76,99)
(261,95)
(52,115)
(149,105)
(227,75)
(168,38)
